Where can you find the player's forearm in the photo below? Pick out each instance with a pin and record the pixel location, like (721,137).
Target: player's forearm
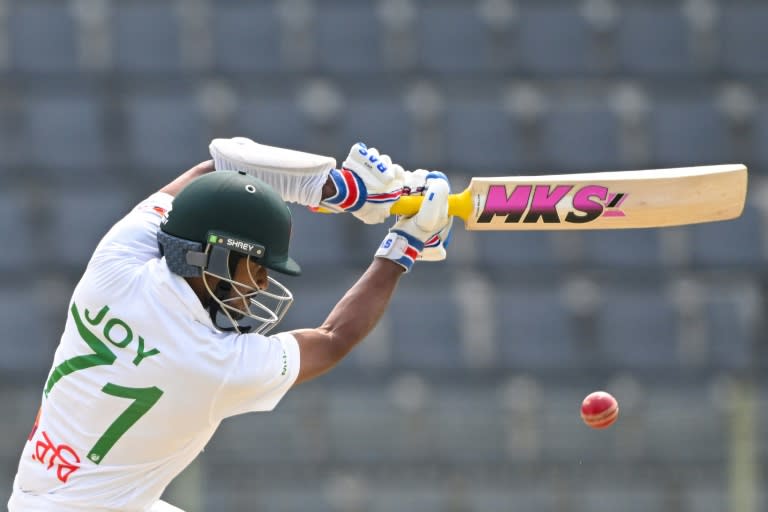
(361,308)
(353,317)
(174,187)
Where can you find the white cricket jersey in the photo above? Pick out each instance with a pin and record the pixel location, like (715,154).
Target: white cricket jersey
(140,380)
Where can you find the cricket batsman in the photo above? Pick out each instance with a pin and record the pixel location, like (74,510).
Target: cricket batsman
(169,330)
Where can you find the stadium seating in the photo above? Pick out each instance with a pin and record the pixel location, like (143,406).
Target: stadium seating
(705,497)
(269,496)
(760,134)
(42,37)
(742,35)
(25,402)
(363,426)
(291,499)
(407,497)
(75,231)
(427,331)
(686,425)
(580,137)
(164,130)
(276,121)
(534,331)
(732,320)
(30,332)
(604,497)
(467,426)
(291,441)
(245,39)
(739,242)
(383,123)
(66,132)
(619,248)
(480,137)
(146,37)
(10,138)
(637,326)
(452,39)
(533,497)
(689,132)
(555,39)
(317,239)
(655,39)
(346,36)
(15,224)
(522,251)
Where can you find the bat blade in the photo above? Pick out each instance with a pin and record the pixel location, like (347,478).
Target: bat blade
(601,200)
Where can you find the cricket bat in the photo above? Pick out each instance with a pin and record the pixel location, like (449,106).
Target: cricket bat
(600,200)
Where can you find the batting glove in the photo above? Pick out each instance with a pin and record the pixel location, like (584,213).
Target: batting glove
(366,185)
(435,247)
(408,238)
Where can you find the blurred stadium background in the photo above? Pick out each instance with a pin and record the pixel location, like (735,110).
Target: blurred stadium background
(466,398)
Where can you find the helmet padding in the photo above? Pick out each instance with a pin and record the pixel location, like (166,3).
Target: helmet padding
(178,253)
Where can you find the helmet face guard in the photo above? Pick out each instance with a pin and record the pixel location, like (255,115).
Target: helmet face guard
(217,219)
(243,306)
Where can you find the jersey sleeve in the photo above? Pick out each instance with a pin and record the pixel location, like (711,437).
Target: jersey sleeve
(134,237)
(261,371)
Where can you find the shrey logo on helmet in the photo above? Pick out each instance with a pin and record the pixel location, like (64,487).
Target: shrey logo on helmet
(240,245)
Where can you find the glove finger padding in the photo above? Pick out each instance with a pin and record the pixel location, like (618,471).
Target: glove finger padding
(415,182)
(433,213)
(435,247)
(407,238)
(376,170)
(366,185)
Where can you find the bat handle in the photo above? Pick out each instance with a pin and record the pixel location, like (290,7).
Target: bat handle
(459,205)
(406,205)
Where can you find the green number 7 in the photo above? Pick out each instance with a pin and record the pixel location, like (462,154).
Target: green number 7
(143,400)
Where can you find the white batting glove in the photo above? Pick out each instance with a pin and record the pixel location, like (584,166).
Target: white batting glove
(408,237)
(366,185)
(435,247)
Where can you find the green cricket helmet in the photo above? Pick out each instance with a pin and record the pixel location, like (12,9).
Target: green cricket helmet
(214,222)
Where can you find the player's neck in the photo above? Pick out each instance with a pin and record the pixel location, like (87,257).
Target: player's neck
(198,286)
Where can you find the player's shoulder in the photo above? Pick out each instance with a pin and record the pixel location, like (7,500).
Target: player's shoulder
(157,204)
(122,255)
(135,235)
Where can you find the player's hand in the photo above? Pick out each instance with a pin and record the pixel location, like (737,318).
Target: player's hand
(366,185)
(407,239)
(435,247)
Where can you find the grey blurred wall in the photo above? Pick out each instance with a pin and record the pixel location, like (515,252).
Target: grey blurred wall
(466,397)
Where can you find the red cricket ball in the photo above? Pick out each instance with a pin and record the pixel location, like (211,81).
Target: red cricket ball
(599,409)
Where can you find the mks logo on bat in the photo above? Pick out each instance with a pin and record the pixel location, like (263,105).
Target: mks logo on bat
(586,203)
